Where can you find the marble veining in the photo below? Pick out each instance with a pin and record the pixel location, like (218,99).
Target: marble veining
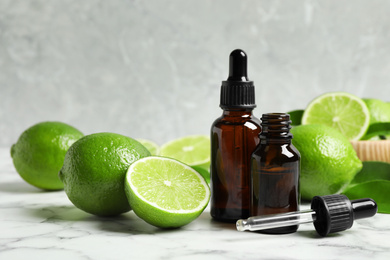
(40,225)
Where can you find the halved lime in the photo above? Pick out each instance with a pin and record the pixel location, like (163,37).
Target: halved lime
(342,111)
(193,150)
(164,192)
(153,148)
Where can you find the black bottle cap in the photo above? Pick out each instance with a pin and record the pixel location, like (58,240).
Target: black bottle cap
(237,91)
(336,213)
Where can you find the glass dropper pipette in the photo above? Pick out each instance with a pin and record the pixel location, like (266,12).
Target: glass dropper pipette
(329,214)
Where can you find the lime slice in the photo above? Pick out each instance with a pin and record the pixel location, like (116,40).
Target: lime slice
(164,192)
(153,148)
(342,111)
(193,150)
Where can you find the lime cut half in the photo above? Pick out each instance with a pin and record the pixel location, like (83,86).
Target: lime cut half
(342,111)
(164,192)
(193,150)
(153,148)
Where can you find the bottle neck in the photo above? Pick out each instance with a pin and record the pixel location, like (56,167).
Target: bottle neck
(275,128)
(237,112)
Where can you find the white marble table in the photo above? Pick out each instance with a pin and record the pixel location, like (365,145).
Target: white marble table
(42,225)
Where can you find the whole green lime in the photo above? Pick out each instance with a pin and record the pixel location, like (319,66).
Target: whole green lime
(94,171)
(40,151)
(328,160)
(379,110)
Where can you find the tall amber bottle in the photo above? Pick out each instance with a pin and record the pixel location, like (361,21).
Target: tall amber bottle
(275,168)
(234,136)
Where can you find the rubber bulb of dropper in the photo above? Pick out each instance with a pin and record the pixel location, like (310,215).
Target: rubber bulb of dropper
(238,66)
(364,208)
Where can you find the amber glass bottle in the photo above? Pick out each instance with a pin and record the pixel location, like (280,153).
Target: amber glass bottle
(275,167)
(234,136)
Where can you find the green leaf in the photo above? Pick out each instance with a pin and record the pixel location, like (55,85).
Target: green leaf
(373,181)
(372,171)
(378,190)
(296,116)
(377,129)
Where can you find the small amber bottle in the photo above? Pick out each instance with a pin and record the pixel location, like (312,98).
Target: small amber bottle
(234,136)
(275,168)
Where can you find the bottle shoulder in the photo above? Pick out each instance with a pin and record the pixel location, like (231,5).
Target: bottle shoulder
(282,151)
(248,120)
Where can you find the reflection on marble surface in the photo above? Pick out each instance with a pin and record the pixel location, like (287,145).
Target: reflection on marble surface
(40,225)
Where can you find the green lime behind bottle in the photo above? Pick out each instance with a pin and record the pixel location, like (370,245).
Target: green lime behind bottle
(328,160)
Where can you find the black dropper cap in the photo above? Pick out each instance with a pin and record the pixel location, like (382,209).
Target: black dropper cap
(237,91)
(335,213)
(329,214)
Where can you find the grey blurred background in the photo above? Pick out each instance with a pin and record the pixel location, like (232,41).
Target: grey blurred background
(153,69)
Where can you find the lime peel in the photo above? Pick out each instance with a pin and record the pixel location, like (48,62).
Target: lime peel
(94,172)
(329,162)
(39,153)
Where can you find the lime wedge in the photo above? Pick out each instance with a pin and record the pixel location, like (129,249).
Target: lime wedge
(164,192)
(342,111)
(152,147)
(193,150)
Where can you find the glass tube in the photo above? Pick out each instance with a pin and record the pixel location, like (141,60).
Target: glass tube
(276,221)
